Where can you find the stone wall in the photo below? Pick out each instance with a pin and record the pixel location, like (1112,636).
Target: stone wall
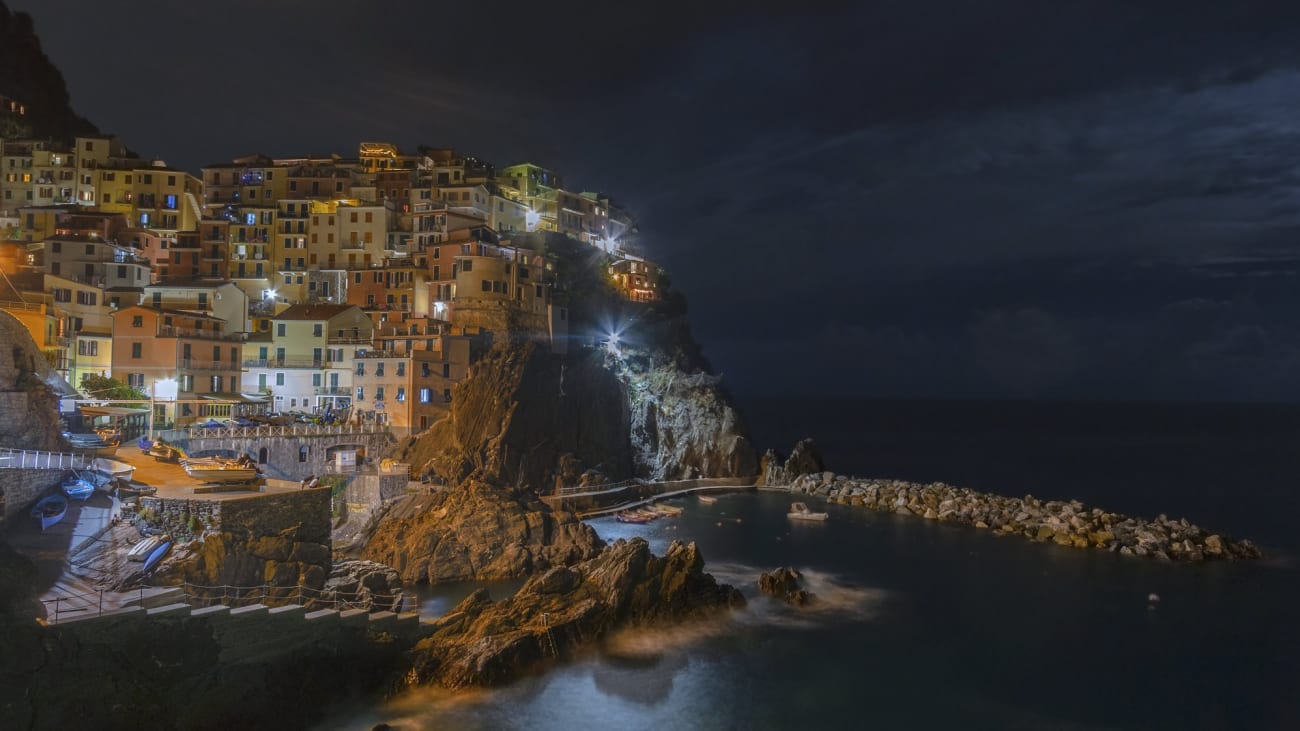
(366,493)
(283,453)
(20,488)
(173,515)
(280,540)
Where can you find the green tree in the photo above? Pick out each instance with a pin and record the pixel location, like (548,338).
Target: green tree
(108,388)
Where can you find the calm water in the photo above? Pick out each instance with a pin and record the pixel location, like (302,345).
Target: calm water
(931,626)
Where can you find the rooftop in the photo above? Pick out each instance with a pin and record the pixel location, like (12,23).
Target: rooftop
(313,312)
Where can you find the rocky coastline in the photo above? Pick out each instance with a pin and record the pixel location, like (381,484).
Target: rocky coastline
(1064,522)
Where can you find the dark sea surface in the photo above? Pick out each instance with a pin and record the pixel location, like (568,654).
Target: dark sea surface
(928,626)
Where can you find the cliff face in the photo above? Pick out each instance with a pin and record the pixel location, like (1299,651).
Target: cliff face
(29,77)
(477,532)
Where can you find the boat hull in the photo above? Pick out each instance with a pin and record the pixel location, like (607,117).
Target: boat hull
(78,489)
(156,555)
(50,510)
(221,475)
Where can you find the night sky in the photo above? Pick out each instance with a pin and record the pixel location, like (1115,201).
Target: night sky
(972,199)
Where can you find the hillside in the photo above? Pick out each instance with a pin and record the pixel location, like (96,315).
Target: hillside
(28,76)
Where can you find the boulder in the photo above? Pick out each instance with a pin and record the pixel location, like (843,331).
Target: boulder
(783,583)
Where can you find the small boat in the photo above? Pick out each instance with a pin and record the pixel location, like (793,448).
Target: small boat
(141,550)
(671,511)
(93,443)
(222,471)
(50,510)
(633,516)
(707,499)
(156,555)
(78,488)
(164,452)
(113,468)
(799,511)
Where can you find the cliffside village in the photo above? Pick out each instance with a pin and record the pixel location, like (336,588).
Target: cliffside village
(328,287)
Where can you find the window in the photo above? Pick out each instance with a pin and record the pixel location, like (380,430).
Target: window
(361,369)
(279,329)
(87,347)
(318,329)
(379,393)
(467,265)
(487,286)
(379,369)
(302,454)
(426,395)
(446,370)
(401,393)
(137,321)
(361,393)
(401,368)
(279,379)
(446,395)
(315,380)
(137,350)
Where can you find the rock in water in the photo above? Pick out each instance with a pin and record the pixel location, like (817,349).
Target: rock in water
(783,583)
(484,643)
(477,532)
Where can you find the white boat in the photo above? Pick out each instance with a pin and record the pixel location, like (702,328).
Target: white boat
(141,550)
(799,511)
(113,468)
(707,499)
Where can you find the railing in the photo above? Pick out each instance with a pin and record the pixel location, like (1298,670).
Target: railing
(207,365)
(26,306)
(168,331)
(243,596)
(348,340)
(22,459)
(271,430)
(333,391)
(596,489)
(286,362)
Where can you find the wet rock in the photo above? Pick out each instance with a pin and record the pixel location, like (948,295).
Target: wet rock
(485,643)
(783,583)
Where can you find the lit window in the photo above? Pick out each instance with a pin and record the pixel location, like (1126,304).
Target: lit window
(426,395)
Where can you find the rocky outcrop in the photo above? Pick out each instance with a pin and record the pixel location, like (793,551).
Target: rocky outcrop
(278,541)
(477,532)
(362,585)
(27,75)
(1067,523)
(485,643)
(804,459)
(783,583)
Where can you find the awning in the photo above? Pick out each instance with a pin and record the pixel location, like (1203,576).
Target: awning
(111,411)
(239,398)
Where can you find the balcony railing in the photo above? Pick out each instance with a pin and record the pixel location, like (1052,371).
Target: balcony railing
(286,362)
(167,331)
(333,391)
(348,340)
(206,365)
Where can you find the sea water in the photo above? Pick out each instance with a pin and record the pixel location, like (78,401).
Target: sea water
(919,625)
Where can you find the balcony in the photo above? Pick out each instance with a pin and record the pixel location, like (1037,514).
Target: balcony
(286,362)
(167,331)
(333,391)
(348,340)
(190,364)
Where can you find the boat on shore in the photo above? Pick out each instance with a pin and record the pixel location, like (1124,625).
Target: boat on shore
(77,488)
(156,555)
(800,511)
(220,471)
(164,452)
(113,468)
(141,550)
(100,446)
(50,510)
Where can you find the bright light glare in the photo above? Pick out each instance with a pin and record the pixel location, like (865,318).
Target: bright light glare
(270,294)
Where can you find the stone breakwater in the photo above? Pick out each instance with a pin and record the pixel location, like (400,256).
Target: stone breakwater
(1067,523)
